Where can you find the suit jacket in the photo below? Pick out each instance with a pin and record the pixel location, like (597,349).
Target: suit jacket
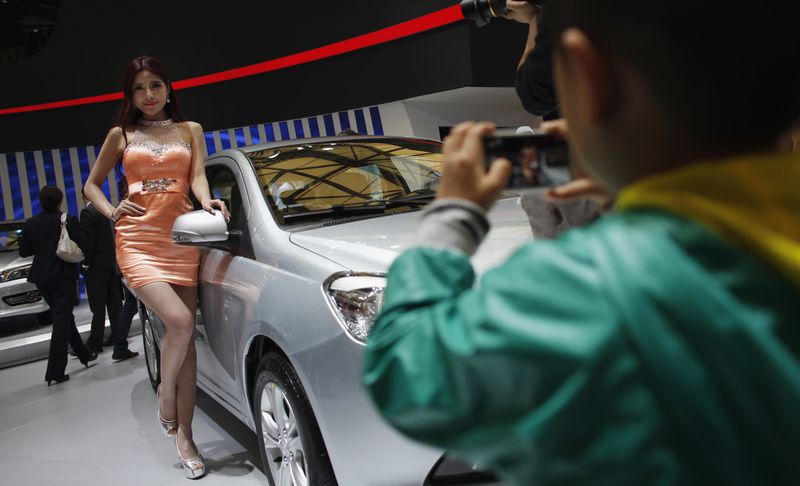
(40,238)
(98,240)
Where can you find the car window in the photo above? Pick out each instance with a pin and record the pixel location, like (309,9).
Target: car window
(327,180)
(223,185)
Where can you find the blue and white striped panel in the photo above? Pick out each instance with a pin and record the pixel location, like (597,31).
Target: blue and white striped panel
(23,173)
(366,121)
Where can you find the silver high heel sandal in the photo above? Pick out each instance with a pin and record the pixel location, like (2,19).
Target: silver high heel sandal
(193,468)
(168,427)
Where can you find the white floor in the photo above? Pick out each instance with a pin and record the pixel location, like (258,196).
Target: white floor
(99,428)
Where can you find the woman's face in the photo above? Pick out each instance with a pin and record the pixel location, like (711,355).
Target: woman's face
(150,95)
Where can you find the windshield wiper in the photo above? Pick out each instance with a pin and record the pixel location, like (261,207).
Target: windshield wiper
(376,207)
(411,199)
(339,210)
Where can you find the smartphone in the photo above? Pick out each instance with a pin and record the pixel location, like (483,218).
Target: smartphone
(538,159)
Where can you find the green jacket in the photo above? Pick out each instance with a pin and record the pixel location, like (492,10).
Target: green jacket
(572,364)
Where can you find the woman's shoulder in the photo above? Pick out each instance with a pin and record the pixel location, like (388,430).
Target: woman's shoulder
(193,126)
(119,134)
(115,133)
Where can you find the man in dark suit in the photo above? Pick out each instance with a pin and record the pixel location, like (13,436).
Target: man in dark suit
(100,275)
(55,279)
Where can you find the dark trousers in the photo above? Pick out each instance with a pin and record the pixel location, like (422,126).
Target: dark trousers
(103,292)
(551,218)
(60,296)
(129,309)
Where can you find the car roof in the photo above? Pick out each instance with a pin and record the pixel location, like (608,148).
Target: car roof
(338,139)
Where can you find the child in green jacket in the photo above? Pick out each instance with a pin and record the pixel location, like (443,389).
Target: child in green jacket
(661,344)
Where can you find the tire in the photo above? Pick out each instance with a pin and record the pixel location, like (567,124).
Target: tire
(291,446)
(152,351)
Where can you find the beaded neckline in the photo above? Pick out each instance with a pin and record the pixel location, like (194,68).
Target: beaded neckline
(152,123)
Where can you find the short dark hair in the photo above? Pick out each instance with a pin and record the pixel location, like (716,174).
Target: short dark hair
(50,198)
(724,70)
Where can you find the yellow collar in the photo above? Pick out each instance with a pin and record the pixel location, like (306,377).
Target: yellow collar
(753,201)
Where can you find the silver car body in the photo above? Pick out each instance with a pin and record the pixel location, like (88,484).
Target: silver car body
(277,295)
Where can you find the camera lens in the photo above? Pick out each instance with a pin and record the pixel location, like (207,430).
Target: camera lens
(482,11)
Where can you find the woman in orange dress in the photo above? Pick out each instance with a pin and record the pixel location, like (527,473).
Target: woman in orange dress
(162,156)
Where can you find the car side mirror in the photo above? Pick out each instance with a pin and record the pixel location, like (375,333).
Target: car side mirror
(200,228)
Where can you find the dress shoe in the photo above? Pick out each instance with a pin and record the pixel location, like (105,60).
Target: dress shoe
(95,348)
(123,355)
(57,380)
(92,357)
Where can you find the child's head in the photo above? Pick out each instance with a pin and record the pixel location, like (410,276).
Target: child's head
(684,79)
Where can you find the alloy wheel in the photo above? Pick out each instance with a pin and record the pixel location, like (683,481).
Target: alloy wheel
(281,437)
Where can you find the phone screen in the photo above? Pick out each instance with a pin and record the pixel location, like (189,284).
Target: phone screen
(537,159)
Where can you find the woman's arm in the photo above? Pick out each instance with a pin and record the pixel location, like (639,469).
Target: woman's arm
(198,182)
(110,152)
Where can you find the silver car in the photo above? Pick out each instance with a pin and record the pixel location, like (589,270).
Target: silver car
(18,297)
(288,292)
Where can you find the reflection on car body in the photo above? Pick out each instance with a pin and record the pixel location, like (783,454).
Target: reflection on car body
(287,299)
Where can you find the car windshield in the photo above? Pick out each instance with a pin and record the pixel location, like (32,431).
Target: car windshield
(342,179)
(9,236)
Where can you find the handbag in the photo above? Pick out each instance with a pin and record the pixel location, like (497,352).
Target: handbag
(67,250)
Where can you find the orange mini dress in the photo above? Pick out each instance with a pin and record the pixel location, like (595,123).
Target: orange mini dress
(158,165)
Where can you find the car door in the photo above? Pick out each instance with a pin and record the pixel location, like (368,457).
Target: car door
(222,310)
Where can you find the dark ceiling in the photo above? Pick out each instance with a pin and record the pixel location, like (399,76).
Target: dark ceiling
(25,26)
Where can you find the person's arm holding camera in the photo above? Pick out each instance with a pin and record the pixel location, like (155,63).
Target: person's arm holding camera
(535,85)
(526,13)
(457,219)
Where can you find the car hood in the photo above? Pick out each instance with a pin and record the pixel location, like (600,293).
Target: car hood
(11,259)
(370,245)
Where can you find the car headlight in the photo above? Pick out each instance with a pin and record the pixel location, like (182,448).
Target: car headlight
(15,273)
(356,301)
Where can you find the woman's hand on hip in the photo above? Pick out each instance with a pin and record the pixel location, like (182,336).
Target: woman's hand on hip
(127,207)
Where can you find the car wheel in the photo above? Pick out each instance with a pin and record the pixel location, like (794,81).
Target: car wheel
(291,446)
(152,352)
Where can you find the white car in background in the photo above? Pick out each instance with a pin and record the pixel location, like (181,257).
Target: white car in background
(18,297)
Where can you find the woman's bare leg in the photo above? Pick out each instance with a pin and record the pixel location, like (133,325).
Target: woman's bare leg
(187,383)
(170,304)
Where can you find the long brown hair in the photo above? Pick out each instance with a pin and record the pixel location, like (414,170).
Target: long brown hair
(128,114)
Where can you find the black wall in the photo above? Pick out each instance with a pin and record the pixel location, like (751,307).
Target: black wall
(93,40)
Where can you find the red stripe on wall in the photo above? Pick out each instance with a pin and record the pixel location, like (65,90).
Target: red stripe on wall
(427,22)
